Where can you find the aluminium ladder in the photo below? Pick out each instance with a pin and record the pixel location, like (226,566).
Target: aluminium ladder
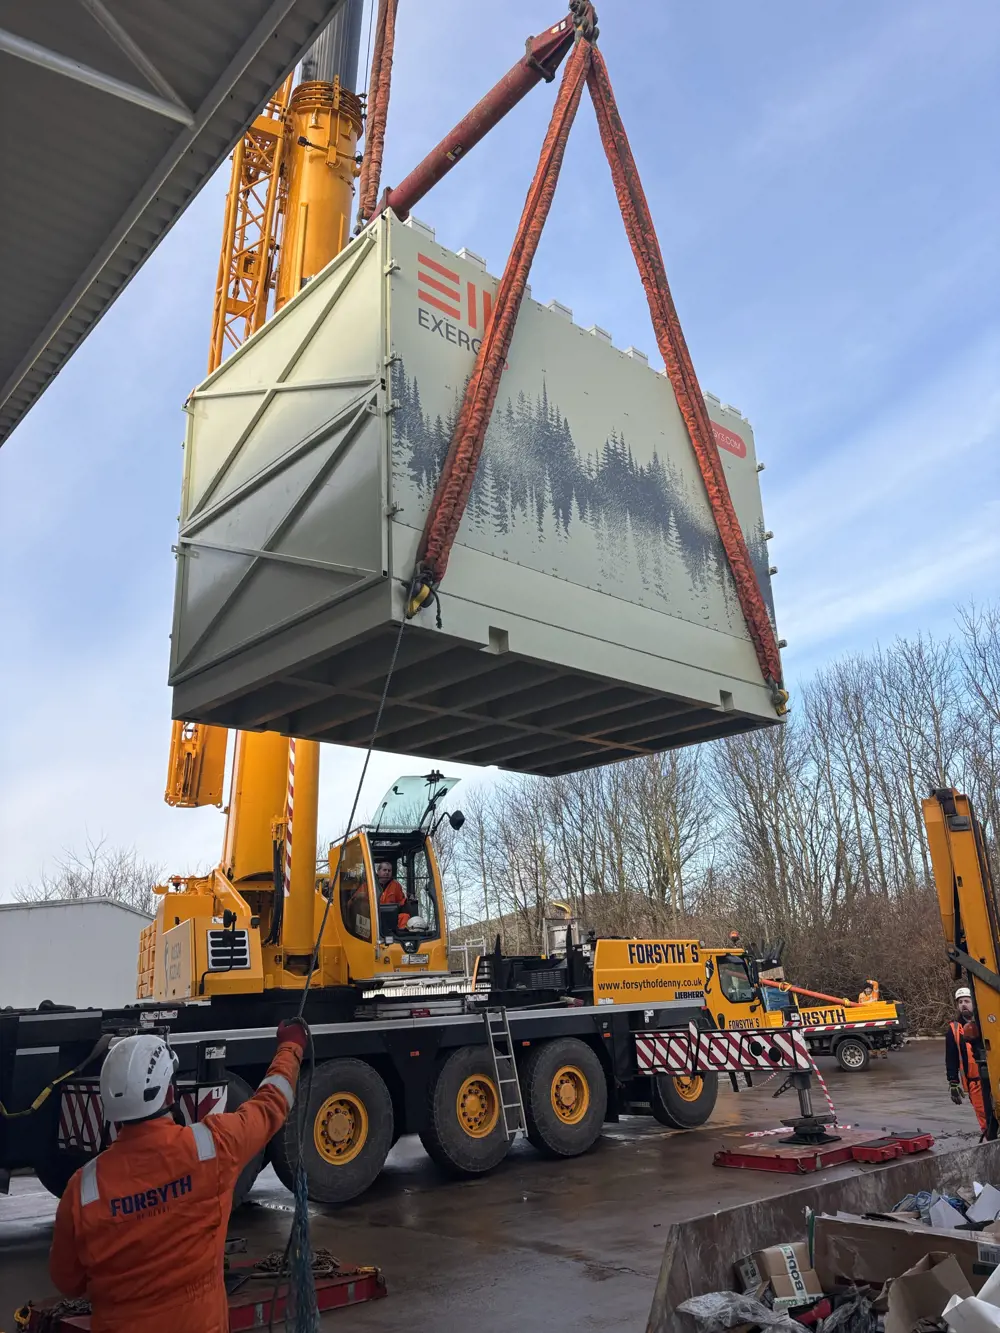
(501,1046)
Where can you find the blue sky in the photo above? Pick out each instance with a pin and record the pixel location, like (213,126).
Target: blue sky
(824,182)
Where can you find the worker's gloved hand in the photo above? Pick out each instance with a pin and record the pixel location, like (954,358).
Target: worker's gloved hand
(294,1030)
(957,1095)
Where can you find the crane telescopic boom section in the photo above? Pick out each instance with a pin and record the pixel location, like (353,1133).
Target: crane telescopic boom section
(288,213)
(970,917)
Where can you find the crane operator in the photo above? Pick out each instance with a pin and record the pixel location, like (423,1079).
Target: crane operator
(141,1228)
(960,1063)
(391,893)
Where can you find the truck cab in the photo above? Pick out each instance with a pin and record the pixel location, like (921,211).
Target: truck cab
(733,996)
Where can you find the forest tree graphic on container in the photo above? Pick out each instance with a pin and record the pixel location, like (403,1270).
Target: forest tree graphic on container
(604,520)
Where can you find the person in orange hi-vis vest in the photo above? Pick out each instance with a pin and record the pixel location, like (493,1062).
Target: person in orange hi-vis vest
(960,1064)
(141,1228)
(391,892)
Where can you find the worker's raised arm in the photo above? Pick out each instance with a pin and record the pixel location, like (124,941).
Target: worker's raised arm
(67,1272)
(239,1135)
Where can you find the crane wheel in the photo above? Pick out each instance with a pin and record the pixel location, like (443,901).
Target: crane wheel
(684,1102)
(239,1091)
(464,1130)
(346,1132)
(565,1097)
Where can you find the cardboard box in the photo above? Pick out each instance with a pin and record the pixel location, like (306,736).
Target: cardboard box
(924,1291)
(858,1250)
(786,1270)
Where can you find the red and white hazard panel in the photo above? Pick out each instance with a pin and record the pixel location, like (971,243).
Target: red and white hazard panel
(81,1113)
(698,1052)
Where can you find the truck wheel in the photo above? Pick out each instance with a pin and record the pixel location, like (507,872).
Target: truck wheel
(239,1091)
(464,1131)
(853,1054)
(346,1132)
(684,1102)
(565,1097)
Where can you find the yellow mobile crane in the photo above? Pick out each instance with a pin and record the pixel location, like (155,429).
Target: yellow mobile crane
(970,916)
(252,924)
(288,213)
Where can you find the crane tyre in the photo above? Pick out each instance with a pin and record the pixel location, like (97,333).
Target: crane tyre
(238,1091)
(684,1103)
(565,1097)
(347,1130)
(853,1054)
(463,1132)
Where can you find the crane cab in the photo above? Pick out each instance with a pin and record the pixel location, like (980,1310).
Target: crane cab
(386,891)
(733,995)
(380,910)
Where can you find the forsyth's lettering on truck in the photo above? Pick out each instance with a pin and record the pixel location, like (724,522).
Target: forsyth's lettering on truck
(814,1017)
(668,951)
(688,989)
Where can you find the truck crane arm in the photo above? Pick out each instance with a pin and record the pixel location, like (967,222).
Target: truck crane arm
(542,57)
(813,994)
(971,922)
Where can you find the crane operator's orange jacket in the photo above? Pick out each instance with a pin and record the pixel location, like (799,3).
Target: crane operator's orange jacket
(394,895)
(141,1229)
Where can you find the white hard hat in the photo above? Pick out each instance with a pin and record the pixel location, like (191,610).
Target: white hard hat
(963,993)
(416,923)
(136,1078)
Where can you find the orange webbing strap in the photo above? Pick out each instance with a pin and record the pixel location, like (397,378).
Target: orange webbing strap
(680,370)
(455,483)
(379,85)
(459,470)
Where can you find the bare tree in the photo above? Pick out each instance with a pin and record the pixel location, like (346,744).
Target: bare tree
(118,874)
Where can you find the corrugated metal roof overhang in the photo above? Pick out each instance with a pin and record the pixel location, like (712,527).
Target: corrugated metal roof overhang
(94,178)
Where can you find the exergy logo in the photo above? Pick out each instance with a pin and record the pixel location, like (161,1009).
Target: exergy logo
(445,293)
(441,288)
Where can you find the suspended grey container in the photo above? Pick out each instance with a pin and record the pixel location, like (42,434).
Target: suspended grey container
(587,615)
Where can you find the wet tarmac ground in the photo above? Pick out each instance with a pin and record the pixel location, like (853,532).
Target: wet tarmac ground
(547,1245)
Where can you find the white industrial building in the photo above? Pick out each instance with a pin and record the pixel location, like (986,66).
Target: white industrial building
(80,951)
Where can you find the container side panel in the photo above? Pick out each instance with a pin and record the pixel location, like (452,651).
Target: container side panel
(587,473)
(206,582)
(211,442)
(284,509)
(286,425)
(273,351)
(343,344)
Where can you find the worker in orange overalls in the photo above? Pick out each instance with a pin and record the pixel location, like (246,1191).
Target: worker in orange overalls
(960,1064)
(141,1228)
(391,893)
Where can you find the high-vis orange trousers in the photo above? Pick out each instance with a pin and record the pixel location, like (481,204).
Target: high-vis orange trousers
(969,1074)
(141,1229)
